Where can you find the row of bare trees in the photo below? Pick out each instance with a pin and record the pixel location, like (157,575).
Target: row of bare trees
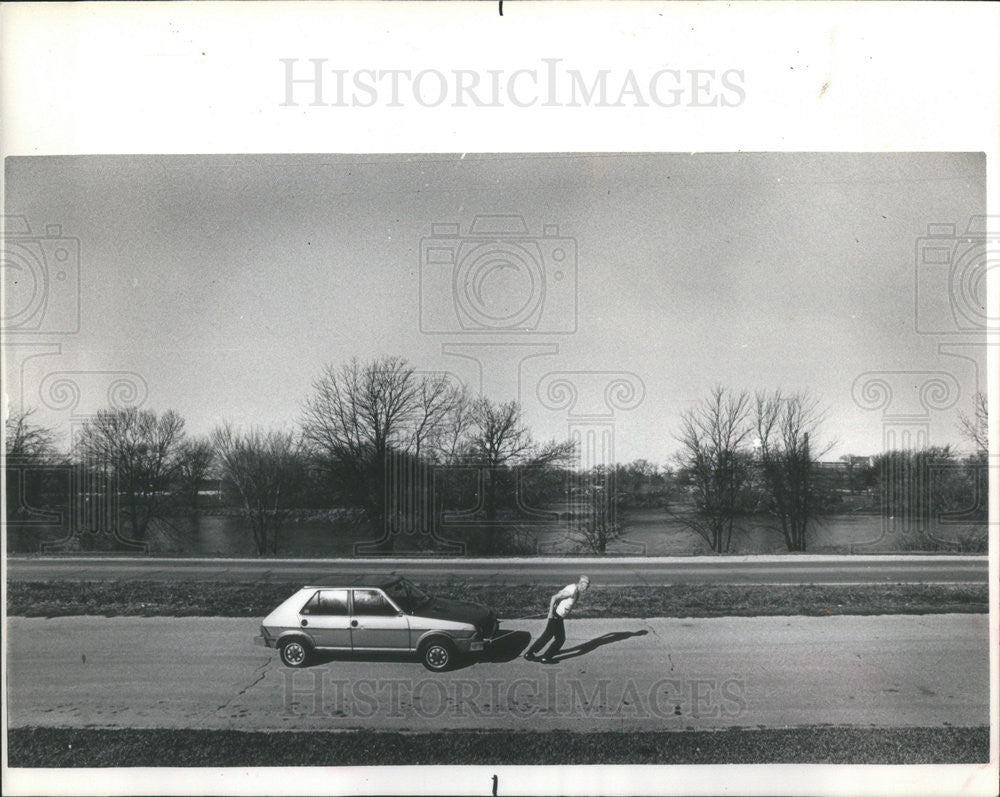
(361,416)
(408,449)
(359,422)
(747,455)
(156,468)
(267,470)
(153,462)
(731,439)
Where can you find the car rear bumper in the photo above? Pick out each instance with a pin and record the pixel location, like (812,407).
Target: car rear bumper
(478,645)
(263,641)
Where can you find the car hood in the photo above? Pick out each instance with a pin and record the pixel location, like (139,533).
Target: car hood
(459,611)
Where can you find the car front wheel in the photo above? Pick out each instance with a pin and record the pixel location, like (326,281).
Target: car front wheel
(294,653)
(438,655)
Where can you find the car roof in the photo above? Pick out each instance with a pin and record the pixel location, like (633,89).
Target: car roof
(367,580)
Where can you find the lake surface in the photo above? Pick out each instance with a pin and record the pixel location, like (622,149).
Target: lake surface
(649,533)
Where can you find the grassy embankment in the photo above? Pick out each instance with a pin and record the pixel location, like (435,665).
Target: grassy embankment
(204,599)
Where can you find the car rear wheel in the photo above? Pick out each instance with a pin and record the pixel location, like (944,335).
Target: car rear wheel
(438,655)
(294,653)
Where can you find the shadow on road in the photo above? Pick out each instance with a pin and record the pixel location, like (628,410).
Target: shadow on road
(506,647)
(320,657)
(596,642)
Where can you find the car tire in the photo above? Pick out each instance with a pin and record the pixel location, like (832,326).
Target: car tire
(294,653)
(438,655)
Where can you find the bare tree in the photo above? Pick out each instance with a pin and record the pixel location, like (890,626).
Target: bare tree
(358,408)
(447,442)
(422,483)
(435,399)
(976,428)
(714,436)
(27,440)
(268,471)
(30,455)
(373,428)
(381,431)
(787,451)
(357,414)
(601,519)
(500,440)
(142,451)
(195,464)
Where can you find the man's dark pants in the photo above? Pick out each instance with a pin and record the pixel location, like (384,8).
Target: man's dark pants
(554,629)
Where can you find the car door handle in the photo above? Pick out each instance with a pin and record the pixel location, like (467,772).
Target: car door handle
(354,623)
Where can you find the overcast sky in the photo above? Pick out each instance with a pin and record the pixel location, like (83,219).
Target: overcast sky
(227,282)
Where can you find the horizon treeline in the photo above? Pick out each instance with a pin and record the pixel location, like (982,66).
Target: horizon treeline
(414,456)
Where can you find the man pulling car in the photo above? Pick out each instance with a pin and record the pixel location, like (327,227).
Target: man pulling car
(560,605)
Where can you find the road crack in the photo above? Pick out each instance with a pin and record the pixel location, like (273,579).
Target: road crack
(261,672)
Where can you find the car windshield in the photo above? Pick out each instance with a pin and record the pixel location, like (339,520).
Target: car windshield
(407,594)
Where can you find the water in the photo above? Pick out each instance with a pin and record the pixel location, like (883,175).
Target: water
(649,533)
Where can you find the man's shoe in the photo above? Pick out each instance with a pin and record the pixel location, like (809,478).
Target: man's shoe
(529,656)
(547,660)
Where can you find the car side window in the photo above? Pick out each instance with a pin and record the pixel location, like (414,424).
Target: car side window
(372,602)
(327,602)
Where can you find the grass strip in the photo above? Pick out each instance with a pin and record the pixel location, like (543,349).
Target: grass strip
(65,747)
(205,599)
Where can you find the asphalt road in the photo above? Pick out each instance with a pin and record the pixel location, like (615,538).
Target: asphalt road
(605,571)
(656,674)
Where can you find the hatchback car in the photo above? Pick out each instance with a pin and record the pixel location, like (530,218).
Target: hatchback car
(377,615)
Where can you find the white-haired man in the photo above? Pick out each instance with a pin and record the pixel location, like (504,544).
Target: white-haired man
(560,605)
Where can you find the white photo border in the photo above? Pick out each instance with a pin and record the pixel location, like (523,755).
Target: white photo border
(125,78)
